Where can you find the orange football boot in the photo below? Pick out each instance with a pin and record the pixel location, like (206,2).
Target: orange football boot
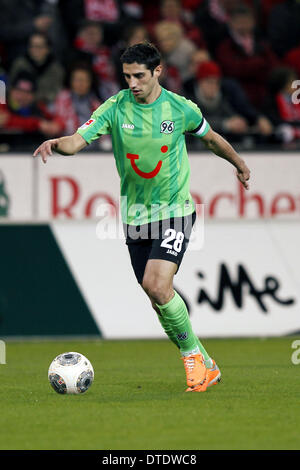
(213,377)
(195,369)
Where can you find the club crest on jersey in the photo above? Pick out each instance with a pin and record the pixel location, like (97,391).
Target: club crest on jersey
(167,127)
(87,123)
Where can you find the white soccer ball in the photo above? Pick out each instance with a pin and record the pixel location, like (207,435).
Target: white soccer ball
(71,372)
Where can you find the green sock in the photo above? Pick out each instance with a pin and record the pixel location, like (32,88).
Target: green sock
(175,315)
(169,326)
(207,359)
(168,330)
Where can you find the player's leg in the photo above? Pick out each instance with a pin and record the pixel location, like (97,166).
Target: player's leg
(170,243)
(165,325)
(158,284)
(141,253)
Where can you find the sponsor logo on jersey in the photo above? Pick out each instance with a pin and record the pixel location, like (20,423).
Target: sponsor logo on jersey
(151,174)
(127,126)
(167,127)
(87,123)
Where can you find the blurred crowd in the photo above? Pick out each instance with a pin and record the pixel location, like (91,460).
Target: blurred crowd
(239,61)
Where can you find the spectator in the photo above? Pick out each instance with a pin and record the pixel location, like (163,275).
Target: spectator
(232,94)
(214,104)
(112,14)
(19,19)
(170,78)
(245,58)
(135,33)
(283,104)
(199,56)
(90,47)
(24,115)
(212,18)
(41,64)
(172,10)
(283,27)
(175,48)
(292,59)
(102,10)
(75,104)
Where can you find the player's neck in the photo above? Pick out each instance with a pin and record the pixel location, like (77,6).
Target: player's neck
(153,96)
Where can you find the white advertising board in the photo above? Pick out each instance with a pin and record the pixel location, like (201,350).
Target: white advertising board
(244,282)
(72,187)
(16,188)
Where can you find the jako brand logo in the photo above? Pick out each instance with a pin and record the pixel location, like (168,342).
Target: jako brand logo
(4,198)
(127,126)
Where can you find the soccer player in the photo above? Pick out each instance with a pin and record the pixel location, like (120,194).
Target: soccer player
(148,125)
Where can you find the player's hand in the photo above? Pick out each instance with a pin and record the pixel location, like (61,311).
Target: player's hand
(243,174)
(45,149)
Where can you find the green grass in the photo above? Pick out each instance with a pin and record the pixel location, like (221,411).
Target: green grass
(137,400)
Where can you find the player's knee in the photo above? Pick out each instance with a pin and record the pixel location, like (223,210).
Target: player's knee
(157,289)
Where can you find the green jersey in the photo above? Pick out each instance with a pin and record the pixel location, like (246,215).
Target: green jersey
(150,152)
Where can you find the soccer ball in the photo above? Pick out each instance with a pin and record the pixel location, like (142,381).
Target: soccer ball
(71,372)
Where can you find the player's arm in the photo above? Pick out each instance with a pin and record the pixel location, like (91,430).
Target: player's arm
(67,145)
(221,147)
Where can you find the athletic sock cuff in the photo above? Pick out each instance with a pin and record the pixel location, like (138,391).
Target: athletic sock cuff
(169,304)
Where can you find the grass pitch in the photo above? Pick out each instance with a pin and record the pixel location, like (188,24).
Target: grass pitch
(137,400)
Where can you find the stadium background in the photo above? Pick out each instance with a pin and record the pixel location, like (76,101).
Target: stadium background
(65,288)
(59,60)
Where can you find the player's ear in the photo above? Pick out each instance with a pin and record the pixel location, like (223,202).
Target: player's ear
(158,70)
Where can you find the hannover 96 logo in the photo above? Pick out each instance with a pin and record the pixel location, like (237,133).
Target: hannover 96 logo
(167,127)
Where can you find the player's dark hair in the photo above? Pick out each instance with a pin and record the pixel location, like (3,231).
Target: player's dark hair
(142,53)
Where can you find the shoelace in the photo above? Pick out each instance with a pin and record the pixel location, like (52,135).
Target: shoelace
(189,363)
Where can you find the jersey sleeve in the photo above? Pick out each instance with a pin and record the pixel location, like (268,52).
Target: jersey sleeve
(100,122)
(195,123)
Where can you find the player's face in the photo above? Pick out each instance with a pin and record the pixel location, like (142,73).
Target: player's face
(141,81)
